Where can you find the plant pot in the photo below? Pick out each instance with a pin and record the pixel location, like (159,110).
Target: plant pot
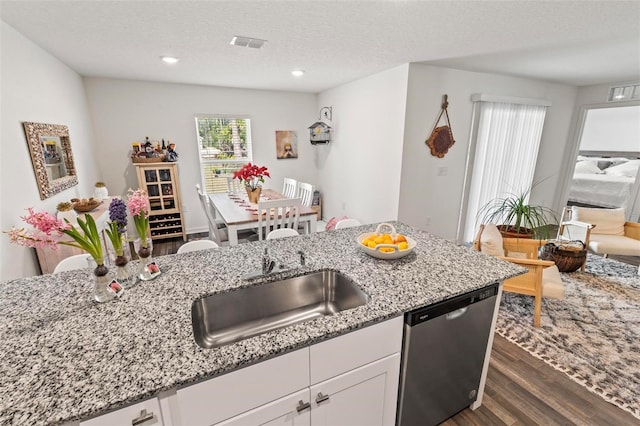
(254,195)
(509,231)
(101,193)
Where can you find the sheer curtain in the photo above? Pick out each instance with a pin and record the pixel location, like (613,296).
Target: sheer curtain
(507,141)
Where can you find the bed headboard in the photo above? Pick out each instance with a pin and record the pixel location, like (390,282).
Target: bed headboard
(611,154)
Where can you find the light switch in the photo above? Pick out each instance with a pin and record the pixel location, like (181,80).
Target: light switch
(442,171)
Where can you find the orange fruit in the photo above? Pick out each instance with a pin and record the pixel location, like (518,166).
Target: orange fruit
(400,238)
(379,240)
(371,244)
(387,250)
(403,245)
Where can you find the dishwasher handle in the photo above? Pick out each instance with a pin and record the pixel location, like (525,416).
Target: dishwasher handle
(456,314)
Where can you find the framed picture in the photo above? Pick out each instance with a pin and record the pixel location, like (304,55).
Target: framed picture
(286,144)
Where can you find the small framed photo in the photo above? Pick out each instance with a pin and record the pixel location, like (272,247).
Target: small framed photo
(286,144)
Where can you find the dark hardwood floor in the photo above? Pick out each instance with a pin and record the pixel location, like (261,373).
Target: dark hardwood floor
(523,390)
(520,389)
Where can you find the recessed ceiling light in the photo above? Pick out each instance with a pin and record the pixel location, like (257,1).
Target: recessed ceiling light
(297,73)
(169,59)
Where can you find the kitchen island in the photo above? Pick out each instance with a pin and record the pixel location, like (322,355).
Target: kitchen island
(65,358)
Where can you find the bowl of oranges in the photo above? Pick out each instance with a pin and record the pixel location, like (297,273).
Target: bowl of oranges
(386,243)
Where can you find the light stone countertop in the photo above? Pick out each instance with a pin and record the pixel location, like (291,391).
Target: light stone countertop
(65,358)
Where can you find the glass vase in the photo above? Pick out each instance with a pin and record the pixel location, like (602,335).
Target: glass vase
(101,280)
(144,251)
(123,273)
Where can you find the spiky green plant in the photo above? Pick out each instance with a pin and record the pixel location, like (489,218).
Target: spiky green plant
(514,212)
(88,240)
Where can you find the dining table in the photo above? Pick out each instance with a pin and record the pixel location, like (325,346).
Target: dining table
(238,214)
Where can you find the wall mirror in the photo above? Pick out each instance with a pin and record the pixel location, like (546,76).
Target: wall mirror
(51,157)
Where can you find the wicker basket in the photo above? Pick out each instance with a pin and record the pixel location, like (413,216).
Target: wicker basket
(137,159)
(568,258)
(86,207)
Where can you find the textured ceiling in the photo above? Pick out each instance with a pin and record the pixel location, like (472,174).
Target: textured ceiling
(579,43)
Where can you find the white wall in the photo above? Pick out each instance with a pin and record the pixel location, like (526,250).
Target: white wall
(431,187)
(124,111)
(359,171)
(612,129)
(36,87)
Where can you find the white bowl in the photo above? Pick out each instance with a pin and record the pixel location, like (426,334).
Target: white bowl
(375,252)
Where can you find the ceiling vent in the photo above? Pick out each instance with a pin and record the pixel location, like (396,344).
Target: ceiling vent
(254,43)
(624,93)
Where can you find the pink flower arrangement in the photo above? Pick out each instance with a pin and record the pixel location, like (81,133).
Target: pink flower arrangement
(46,233)
(139,210)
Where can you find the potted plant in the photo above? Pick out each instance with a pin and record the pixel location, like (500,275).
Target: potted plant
(516,218)
(252,177)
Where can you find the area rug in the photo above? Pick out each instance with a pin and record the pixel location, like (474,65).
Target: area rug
(592,335)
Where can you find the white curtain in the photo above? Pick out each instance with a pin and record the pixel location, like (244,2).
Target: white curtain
(507,143)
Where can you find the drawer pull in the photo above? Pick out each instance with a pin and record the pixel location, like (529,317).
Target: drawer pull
(302,406)
(321,398)
(143,417)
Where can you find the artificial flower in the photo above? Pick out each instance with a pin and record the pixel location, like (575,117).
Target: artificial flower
(252,176)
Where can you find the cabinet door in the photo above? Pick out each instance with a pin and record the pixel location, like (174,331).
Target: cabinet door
(281,412)
(146,413)
(365,396)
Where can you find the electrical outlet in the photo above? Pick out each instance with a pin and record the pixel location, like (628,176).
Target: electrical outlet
(427,220)
(344,206)
(442,171)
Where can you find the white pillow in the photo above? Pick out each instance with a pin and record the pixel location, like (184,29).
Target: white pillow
(552,285)
(588,167)
(607,221)
(628,169)
(491,241)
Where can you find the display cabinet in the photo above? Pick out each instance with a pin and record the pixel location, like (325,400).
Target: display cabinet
(160,180)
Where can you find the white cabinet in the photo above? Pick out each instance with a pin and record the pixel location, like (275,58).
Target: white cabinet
(358,372)
(292,410)
(146,413)
(364,396)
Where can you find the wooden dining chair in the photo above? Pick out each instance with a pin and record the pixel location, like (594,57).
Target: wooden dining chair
(277,214)
(234,185)
(305,193)
(290,187)
(197,245)
(77,261)
(282,233)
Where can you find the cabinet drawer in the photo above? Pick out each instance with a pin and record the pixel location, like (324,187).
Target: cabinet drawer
(146,413)
(226,396)
(352,350)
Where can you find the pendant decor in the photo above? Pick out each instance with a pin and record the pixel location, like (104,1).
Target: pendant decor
(441,138)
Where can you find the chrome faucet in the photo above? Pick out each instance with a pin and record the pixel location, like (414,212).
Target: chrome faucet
(267,263)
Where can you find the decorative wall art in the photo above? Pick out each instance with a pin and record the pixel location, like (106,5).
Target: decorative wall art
(286,144)
(441,138)
(51,157)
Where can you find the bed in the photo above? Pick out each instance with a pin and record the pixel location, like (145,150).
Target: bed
(602,180)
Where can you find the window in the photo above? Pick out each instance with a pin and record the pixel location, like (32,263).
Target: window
(506,135)
(224,144)
(624,93)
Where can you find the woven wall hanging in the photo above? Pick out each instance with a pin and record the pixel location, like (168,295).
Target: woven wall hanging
(441,138)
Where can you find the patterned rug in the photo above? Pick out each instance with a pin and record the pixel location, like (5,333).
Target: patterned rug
(593,335)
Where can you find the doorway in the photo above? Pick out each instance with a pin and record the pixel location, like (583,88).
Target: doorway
(605,161)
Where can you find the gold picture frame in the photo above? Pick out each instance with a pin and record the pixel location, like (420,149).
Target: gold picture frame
(51,157)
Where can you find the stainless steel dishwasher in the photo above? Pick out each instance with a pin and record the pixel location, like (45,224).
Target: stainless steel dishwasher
(443,354)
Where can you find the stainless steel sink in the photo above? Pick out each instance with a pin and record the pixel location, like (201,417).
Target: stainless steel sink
(225,318)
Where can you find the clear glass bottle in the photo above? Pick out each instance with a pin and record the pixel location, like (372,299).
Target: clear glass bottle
(144,257)
(101,280)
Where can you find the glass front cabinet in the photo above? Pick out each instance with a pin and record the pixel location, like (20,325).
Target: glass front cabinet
(160,180)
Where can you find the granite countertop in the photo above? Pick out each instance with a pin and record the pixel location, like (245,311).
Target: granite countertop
(66,358)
